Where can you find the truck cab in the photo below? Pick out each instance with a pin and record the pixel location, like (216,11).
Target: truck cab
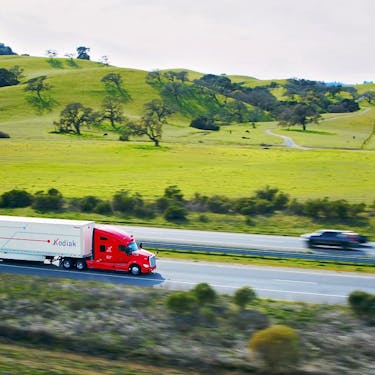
(114,250)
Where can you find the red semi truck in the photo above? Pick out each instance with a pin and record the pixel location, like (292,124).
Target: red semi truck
(72,244)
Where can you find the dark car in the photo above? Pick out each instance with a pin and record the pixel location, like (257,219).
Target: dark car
(332,237)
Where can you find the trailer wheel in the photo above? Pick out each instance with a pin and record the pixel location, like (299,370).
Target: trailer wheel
(135,270)
(67,263)
(80,264)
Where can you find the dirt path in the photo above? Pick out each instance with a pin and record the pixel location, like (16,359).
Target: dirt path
(288,142)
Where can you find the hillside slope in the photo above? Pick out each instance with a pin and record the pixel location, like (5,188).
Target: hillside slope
(80,81)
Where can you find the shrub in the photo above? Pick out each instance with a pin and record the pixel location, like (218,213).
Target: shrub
(362,303)
(50,201)
(175,212)
(103,208)
(219,204)
(204,123)
(204,293)
(88,203)
(16,198)
(181,302)
(244,296)
(124,202)
(277,346)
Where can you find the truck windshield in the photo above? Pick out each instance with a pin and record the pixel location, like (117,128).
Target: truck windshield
(129,248)
(132,247)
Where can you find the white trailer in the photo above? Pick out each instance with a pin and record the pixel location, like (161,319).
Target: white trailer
(41,239)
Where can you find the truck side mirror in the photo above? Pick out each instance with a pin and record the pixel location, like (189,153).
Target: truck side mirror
(141,245)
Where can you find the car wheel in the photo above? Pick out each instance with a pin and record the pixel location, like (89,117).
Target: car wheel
(310,244)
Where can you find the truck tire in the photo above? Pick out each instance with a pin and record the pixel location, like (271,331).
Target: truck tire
(80,264)
(67,263)
(135,270)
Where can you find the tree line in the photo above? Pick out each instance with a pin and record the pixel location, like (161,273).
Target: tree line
(175,208)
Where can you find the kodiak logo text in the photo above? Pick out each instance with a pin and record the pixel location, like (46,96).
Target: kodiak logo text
(64,243)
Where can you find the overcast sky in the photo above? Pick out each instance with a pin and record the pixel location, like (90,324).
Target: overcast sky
(329,40)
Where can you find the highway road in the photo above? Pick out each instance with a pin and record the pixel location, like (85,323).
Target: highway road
(268,282)
(240,243)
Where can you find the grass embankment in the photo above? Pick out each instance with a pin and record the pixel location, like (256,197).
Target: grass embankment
(67,326)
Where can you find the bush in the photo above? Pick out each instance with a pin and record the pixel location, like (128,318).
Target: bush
(16,198)
(204,123)
(219,204)
(124,202)
(204,293)
(50,201)
(277,346)
(88,203)
(181,302)
(103,208)
(175,212)
(362,303)
(244,296)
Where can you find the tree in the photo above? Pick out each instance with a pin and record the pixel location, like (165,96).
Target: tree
(5,50)
(149,127)
(37,86)
(38,98)
(51,53)
(369,96)
(7,78)
(298,114)
(17,71)
(154,77)
(158,108)
(82,53)
(174,89)
(74,116)
(113,86)
(151,124)
(112,111)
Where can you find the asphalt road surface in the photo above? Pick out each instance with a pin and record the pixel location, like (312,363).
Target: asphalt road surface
(268,282)
(240,243)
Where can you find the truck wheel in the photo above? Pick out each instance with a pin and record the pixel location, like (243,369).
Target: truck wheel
(80,264)
(67,263)
(135,270)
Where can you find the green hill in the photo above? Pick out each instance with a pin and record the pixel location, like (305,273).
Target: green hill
(234,161)
(80,81)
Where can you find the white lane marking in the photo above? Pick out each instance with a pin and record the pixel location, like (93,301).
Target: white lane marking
(260,289)
(295,281)
(273,269)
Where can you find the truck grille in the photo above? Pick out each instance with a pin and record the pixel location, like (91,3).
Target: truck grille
(152,260)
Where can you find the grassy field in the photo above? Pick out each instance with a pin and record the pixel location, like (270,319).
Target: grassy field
(79,167)
(235,161)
